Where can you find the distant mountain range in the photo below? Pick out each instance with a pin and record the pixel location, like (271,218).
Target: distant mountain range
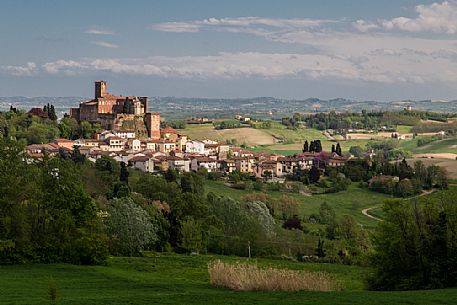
(177,107)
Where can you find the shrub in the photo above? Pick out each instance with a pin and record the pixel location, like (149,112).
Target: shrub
(249,277)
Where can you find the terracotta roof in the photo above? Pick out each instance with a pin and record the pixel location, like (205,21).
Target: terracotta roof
(205,159)
(140,159)
(169,130)
(63,140)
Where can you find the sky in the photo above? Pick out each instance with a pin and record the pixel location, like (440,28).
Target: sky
(356,49)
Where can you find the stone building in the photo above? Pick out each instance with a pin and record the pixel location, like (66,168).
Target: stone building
(119,112)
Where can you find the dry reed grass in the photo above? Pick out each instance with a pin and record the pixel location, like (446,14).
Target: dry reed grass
(249,277)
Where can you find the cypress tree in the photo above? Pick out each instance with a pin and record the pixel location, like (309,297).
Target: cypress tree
(333,148)
(306,146)
(52,113)
(312,147)
(124,174)
(338,149)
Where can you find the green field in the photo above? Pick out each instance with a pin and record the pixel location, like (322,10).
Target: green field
(440,146)
(179,279)
(404,129)
(350,202)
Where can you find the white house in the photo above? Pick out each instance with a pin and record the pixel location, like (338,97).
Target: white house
(195,147)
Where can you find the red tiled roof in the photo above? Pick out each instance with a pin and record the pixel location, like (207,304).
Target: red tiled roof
(140,159)
(169,130)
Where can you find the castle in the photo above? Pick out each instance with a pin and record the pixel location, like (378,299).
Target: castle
(119,112)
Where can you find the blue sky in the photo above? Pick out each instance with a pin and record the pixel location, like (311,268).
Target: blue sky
(381,50)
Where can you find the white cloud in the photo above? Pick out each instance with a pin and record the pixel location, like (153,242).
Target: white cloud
(27,70)
(379,65)
(433,18)
(98,31)
(105,44)
(69,67)
(239,24)
(176,27)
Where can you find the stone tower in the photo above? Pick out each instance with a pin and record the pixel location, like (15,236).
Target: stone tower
(100,89)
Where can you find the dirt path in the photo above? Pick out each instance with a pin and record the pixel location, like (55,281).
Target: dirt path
(365,211)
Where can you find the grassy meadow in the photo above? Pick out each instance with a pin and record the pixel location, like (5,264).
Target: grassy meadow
(181,279)
(349,202)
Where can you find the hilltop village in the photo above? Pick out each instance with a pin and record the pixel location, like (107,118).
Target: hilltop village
(132,135)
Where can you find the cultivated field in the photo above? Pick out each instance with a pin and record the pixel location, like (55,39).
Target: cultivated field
(277,139)
(248,136)
(448,161)
(180,279)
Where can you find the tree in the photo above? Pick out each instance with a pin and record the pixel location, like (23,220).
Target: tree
(326,213)
(124,173)
(306,146)
(293,223)
(357,151)
(414,247)
(314,174)
(338,150)
(318,146)
(76,155)
(333,148)
(129,227)
(320,252)
(192,183)
(126,106)
(312,146)
(52,113)
(171,175)
(192,236)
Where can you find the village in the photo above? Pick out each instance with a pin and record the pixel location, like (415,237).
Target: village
(148,148)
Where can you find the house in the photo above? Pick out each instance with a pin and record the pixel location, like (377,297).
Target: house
(204,162)
(148,144)
(170,134)
(195,147)
(125,134)
(64,143)
(227,166)
(268,169)
(289,164)
(238,152)
(115,143)
(244,164)
(134,144)
(38,112)
(178,163)
(41,150)
(143,163)
(165,146)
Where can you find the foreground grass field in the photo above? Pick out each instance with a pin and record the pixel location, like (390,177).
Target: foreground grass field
(179,279)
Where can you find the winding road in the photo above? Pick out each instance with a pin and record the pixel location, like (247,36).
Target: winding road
(365,211)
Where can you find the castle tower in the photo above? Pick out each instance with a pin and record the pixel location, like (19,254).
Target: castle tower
(152,120)
(100,89)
